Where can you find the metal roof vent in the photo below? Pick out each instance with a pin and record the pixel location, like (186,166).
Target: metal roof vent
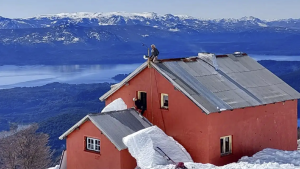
(237,54)
(210,58)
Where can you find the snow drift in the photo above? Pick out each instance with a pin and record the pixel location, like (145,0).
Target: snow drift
(278,156)
(116,105)
(56,167)
(265,159)
(142,144)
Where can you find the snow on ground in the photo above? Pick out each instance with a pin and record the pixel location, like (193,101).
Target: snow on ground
(56,167)
(265,159)
(267,155)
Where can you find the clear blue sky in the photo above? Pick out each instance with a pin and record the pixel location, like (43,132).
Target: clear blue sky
(264,9)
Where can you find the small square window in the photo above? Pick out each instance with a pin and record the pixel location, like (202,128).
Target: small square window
(226,145)
(92,144)
(164,101)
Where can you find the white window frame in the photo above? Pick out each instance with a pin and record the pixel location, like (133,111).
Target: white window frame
(91,144)
(162,100)
(224,152)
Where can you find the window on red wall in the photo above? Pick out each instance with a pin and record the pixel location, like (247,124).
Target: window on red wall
(164,101)
(92,144)
(226,145)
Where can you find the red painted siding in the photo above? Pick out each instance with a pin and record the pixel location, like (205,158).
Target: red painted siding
(184,120)
(109,157)
(127,161)
(251,128)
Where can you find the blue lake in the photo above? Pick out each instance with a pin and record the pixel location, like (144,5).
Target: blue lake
(37,75)
(278,58)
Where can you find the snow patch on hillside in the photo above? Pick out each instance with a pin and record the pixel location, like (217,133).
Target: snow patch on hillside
(91,15)
(174,29)
(262,24)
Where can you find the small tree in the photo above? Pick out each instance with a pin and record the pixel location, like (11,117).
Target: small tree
(8,153)
(25,149)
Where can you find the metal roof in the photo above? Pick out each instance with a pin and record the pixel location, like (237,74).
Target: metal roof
(221,83)
(237,82)
(115,125)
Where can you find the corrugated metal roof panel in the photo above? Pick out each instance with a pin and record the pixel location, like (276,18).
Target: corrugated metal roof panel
(227,67)
(166,70)
(193,83)
(203,65)
(216,83)
(239,82)
(289,90)
(248,79)
(233,99)
(187,68)
(118,124)
(269,77)
(203,101)
(250,63)
(201,68)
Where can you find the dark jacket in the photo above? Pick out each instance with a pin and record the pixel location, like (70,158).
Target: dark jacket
(154,52)
(139,104)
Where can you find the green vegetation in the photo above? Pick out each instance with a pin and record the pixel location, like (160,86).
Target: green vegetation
(56,107)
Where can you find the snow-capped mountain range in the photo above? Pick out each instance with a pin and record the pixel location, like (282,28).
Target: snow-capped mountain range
(108,37)
(167,21)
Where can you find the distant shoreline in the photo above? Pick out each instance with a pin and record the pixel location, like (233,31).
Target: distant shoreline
(136,61)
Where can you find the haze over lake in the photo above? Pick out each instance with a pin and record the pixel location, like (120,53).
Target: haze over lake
(37,75)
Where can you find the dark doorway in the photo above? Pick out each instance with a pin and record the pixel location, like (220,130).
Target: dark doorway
(143,97)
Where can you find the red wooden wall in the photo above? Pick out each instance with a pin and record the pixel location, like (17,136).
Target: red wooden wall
(252,129)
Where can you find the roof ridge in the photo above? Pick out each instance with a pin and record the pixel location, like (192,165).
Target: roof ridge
(109,112)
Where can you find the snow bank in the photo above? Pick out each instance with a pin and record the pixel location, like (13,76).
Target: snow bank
(273,155)
(265,159)
(142,144)
(56,167)
(116,105)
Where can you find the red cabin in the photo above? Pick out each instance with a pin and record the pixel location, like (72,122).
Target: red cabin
(219,108)
(95,142)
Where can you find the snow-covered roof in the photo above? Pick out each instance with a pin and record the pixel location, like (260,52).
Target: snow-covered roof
(225,83)
(114,125)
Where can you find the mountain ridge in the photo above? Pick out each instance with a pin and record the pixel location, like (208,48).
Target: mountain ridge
(146,18)
(96,38)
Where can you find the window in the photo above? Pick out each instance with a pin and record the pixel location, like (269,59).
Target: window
(143,97)
(226,145)
(93,144)
(164,101)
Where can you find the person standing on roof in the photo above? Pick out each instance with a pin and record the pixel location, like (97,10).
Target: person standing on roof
(154,53)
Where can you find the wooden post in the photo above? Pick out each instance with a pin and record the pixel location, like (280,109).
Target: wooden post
(149,59)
